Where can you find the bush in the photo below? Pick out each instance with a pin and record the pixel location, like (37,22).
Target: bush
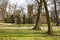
(9,19)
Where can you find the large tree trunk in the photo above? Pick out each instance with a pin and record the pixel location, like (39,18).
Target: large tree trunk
(38,15)
(57,24)
(47,17)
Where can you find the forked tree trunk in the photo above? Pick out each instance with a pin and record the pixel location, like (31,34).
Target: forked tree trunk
(38,15)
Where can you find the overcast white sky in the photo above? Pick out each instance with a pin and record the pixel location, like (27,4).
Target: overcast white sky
(21,2)
(24,3)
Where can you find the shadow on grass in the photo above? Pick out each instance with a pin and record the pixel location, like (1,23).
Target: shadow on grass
(55,34)
(25,33)
(22,33)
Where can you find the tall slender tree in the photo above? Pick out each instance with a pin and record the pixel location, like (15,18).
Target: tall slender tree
(57,24)
(47,18)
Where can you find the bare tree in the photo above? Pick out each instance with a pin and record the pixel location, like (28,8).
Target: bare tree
(56,13)
(3,7)
(55,9)
(38,15)
(47,17)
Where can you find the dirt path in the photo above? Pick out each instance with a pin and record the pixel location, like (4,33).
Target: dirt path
(6,24)
(22,27)
(16,27)
(45,28)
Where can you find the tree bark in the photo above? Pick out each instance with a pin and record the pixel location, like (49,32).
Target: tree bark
(47,18)
(38,15)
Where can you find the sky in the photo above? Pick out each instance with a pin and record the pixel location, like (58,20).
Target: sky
(22,3)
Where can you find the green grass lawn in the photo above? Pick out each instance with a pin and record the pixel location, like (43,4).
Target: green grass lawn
(30,38)
(7,34)
(26,33)
(21,33)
